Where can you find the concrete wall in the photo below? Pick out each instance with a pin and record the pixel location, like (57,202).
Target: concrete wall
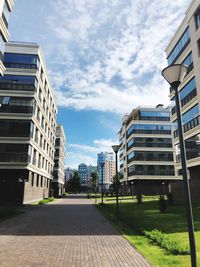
(34,192)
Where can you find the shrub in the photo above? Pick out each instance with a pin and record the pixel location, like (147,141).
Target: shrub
(139,198)
(162,204)
(161,239)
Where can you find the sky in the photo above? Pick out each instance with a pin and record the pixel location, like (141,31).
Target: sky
(104,58)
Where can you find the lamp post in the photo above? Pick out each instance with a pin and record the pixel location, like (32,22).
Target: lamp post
(102,165)
(116,149)
(174,75)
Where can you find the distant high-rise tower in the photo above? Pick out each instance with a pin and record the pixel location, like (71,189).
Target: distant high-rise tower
(108,168)
(59,160)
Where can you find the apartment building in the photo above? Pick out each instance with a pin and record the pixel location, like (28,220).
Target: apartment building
(146,154)
(27,125)
(6,7)
(184,48)
(58,181)
(106,162)
(83,174)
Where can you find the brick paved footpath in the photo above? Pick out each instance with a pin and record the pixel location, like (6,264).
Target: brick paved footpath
(68,232)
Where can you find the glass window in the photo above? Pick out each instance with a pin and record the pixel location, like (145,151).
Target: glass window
(189,115)
(197,19)
(178,49)
(2,46)
(188,61)
(148,128)
(154,113)
(189,87)
(18,78)
(21,60)
(6,13)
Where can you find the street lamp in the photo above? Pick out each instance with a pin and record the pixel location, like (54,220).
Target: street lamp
(116,149)
(174,74)
(102,165)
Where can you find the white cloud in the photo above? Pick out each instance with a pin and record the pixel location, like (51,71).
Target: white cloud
(81,153)
(100,40)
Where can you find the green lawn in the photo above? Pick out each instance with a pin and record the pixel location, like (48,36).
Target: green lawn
(135,218)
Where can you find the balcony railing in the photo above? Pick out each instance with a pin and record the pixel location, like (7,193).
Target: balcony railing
(20,65)
(14,157)
(150,158)
(137,131)
(150,144)
(4,20)
(18,86)
(189,125)
(148,118)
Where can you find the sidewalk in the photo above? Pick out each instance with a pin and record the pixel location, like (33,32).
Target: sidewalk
(68,232)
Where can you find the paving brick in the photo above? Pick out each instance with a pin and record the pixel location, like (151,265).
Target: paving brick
(69,232)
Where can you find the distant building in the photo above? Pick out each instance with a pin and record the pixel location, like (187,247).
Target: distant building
(59,162)
(83,173)
(146,152)
(6,7)
(91,169)
(69,173)
(108,161)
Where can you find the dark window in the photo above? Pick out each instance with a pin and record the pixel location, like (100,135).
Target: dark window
(14,153)
(18,82)
(164,170)
(37,181)
(16,128)
(32,180)
(197,19)
(149,129)
(17,104)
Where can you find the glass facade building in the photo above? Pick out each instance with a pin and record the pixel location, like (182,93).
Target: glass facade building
(146,152)
(27,125)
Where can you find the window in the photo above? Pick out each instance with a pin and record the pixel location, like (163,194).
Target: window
(17,104)
(16,128)
(197,19)
(6,13)
(179,47)
(188,61)
(18,82)
(26,61)
(149,129)
(32,179)
(155,115)
(37,181)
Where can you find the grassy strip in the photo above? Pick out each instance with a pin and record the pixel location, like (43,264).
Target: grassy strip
(172,246)
(134,219)
(46,200)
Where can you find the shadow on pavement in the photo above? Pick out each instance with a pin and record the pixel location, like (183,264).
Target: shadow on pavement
(58,219)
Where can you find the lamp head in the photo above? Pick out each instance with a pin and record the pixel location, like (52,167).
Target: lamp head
(174,74)
(115,148)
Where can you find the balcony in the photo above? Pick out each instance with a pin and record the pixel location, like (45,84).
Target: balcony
(189,125)
(14,157)
(20,66)
(17,85)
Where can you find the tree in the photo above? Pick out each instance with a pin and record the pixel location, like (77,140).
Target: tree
(116,182)
(74,184)
(94,181)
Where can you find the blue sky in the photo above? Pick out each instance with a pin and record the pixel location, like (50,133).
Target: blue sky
(104,57)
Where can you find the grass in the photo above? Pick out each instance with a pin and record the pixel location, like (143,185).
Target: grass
(6,212)
(46,200)
(137,218)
